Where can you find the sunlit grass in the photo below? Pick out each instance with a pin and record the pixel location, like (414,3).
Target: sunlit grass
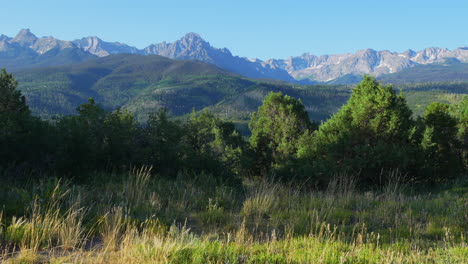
(143,218)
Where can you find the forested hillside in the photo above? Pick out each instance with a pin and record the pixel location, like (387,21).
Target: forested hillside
(143,84)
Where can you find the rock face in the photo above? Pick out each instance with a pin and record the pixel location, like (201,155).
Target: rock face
(193,47)
(100,48)
(330,67)
(25,39)
(307,67)
(26,50)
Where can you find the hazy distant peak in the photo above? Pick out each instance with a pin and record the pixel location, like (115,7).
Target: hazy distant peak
(25,37)
(4,38)
(409,53)
(192,36)
(193,40)
(98,47)
(25,32)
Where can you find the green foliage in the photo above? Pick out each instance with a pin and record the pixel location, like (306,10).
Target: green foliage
(371,133)
(96,139)
(162,144)
(215,145)
(99,140)
(24,139)
(11,101)
(276,128)
(440,143)
(420,95)
(460,113)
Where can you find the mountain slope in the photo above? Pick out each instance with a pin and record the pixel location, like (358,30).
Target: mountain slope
(144,84)
(112,80)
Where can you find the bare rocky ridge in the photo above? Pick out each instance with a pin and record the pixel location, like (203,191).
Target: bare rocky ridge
(100,48)
(192,46)
(330,67)
(26,39)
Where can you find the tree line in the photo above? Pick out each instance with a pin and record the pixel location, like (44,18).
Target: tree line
(372,135)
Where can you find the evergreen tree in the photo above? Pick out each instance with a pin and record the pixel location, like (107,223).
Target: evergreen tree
(162,143)
(370,134)
(11,99)
(440,143)
(276,128)
(214,145)
(460,112)
(25,141)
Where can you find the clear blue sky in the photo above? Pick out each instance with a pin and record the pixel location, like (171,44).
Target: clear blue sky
(254,28)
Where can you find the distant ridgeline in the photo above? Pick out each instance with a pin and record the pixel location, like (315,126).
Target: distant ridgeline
(26,51)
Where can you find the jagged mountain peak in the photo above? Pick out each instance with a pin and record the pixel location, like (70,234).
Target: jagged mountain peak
(366,52)
(4,38)
(192,36)
(101,48)
(25,32)
(92,39)
(193,41)
(25,37)
(409,53)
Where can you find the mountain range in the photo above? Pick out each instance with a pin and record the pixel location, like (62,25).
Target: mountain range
(25,50)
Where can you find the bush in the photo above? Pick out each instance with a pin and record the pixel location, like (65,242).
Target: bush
(370,134)
(276,128)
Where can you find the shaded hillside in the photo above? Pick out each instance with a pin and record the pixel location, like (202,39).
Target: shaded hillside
(18,59)
(112,81)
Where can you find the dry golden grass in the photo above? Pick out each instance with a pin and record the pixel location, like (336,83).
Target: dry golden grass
(143,219)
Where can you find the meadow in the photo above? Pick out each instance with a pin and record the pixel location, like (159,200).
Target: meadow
(143,217)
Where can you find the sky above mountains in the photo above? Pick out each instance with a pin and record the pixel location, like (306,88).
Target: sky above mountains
(256,29)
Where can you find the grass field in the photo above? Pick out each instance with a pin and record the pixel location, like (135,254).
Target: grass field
(140,217)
